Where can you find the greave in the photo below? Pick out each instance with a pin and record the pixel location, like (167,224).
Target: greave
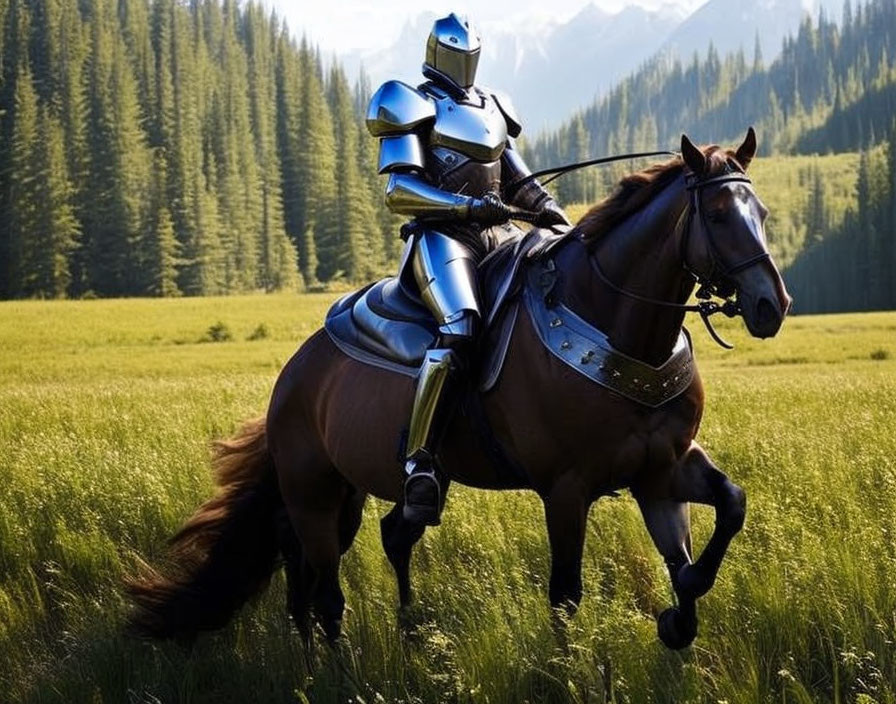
(429,412)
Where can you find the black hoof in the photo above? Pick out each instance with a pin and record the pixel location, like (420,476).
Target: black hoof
(675,631)
(693,581)
(332,631)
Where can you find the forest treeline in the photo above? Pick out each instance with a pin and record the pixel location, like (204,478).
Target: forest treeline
(190,147)
(157,147)
(832,89)
(849,263)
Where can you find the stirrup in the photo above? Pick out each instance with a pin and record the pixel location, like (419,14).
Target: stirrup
(422,497)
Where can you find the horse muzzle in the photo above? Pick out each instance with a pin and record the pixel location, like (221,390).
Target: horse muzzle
(763,300)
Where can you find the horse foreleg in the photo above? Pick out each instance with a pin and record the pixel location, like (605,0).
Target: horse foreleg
(566,511)
(669,524)
(700,481)
(399,537)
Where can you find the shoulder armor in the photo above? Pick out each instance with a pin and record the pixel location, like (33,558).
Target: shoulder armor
(396,108)
(400,153)
(507,110)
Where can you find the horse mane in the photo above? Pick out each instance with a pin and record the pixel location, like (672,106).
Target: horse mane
(637,189)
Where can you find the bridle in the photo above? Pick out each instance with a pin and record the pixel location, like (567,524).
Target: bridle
(717,282)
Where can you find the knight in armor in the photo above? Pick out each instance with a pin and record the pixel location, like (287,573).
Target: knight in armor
(448,147)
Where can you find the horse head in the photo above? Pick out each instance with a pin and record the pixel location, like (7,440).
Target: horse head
(724,244)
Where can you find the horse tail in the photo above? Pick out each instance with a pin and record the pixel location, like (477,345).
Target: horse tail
(224,554)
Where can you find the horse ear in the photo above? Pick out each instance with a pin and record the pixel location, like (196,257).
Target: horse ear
(693,157)
(747,150)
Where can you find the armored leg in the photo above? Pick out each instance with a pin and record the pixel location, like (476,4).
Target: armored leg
(446,275)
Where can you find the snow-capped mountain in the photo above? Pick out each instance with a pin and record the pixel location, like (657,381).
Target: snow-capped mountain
(552,68)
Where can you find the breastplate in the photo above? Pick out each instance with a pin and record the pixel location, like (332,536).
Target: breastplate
(455,172)
(476,129)
(465,145)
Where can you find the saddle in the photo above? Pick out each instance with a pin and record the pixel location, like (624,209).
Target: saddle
(385,324)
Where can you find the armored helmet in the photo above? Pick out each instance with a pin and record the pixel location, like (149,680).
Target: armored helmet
(453,49)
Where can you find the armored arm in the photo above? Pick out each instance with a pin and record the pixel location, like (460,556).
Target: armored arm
(530,195)
(398,115)
(409,194)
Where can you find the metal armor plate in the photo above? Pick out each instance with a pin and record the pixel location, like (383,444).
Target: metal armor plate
(477,129)
(396,108)
(402,151)
(452,171)
(446,276)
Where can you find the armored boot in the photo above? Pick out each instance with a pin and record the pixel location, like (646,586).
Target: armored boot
(434,402)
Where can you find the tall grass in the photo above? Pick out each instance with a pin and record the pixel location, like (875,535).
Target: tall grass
(107,409)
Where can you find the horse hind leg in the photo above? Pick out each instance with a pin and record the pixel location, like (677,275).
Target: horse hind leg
(299,577)
(350,515)
(314,494)
(399,537)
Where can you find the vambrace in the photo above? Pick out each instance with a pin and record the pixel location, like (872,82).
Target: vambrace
(531,195)
(409,194)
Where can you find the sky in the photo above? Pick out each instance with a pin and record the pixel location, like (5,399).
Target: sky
(343,25)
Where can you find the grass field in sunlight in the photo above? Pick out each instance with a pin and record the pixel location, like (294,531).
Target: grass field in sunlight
(107,410)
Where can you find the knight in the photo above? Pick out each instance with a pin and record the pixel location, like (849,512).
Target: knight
(448,148)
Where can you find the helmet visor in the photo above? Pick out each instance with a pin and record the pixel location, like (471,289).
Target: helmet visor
(459,66)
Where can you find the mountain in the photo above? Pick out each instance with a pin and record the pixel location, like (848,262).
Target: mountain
(731,25)
(540,64)
(552,68)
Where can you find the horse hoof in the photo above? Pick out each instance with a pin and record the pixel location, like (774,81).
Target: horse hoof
(675,632)
(332,631)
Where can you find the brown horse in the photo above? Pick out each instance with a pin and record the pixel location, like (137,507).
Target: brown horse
(295,484)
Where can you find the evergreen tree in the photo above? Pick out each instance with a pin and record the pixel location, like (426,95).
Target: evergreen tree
(317,168)
(48,246)
(162,248)
(24,186)
(354,248)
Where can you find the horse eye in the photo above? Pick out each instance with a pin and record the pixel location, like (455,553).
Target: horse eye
(717,216)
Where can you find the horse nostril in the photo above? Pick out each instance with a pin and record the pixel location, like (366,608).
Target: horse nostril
(766,311)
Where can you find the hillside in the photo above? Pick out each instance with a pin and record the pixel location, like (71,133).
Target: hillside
(829,90)
(832,91)
(786,186)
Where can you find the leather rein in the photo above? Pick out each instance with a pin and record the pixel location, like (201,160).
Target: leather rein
(711,284)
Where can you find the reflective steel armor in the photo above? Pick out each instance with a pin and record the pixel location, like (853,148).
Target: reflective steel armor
(448,148)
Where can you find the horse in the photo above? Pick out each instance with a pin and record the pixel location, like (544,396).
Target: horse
(292,485)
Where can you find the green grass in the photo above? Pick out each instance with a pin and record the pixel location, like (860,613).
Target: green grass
(107,409)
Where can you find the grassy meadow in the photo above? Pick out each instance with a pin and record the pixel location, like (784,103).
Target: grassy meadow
(107,409)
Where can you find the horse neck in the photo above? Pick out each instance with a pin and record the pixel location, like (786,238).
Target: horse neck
(640,255)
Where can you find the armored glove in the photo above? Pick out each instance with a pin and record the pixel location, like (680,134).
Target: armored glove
(489,210)
(551,214)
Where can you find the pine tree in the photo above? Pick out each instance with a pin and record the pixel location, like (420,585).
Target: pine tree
(317,168)
(816,213)
(161,249)
(24,187)
(354,249)
(55,229)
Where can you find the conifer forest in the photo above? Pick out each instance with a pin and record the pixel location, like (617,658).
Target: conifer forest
(167,148)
